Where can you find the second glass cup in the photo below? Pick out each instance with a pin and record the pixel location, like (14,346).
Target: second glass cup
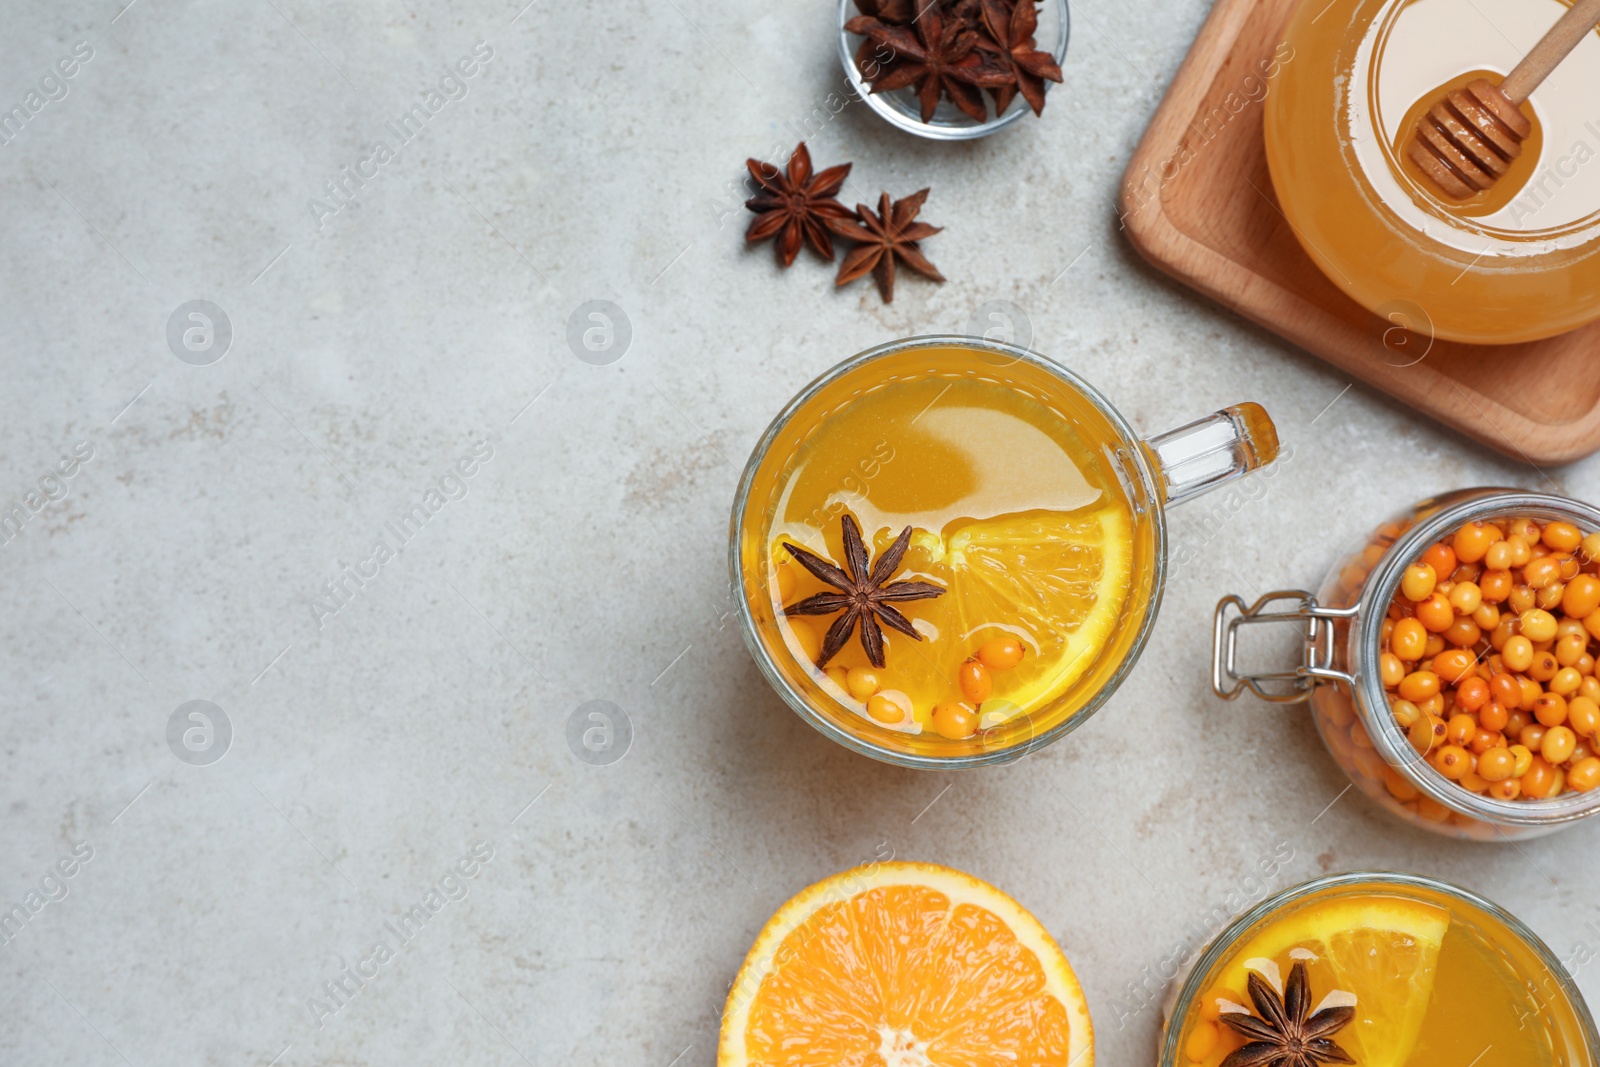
(948,551)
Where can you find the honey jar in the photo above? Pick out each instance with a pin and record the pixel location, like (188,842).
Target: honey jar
(1517,262)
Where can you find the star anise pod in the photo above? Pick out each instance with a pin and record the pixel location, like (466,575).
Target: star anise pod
(1286,1034)
(796,204)
(894,12)
(882,238)
(1011,25)
(941,59)
(863,594)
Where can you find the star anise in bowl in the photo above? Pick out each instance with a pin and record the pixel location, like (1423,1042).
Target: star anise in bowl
(976,55)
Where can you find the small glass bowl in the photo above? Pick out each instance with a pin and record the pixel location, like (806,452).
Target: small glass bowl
(901,109)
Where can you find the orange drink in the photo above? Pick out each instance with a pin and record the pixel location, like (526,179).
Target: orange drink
(949,549)
(1383,970)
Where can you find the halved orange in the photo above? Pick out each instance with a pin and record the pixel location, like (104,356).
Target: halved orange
(905,965)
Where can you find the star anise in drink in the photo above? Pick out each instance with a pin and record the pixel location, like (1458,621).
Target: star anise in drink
(795,205)
(1286,1034)
(865,594)
(880,239)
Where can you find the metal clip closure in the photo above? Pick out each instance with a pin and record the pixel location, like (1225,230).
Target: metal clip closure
(1280,687)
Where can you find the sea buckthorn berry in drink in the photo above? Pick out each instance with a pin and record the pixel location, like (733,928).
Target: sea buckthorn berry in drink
(1001,654)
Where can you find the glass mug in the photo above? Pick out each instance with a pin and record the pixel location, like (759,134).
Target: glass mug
(1495,983)
(1028,499)
(1340,674)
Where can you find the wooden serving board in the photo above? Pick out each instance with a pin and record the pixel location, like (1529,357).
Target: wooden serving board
(1213,222)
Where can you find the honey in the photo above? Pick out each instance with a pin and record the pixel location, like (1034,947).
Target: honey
(1516,263)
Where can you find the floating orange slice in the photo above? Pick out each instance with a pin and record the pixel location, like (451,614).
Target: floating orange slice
(905,965)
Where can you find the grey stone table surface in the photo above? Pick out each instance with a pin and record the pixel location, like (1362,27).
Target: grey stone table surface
(374,745)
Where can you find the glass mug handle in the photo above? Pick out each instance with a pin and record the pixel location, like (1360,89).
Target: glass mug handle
(1212,451)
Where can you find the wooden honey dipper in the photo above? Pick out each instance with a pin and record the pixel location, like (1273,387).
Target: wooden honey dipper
(1466,141)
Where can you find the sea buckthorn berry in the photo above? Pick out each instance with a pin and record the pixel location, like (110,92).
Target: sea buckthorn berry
(1590,688)
(1460,729)
(890,707)
(862,682)
(1583,715)
(1539,780)
(1463,633)
(1493,716)
(1496,765)
(1472,694)
(1465,597)
(1419,685)
(1585,664)
(1549,598)
(1202,1040)
(1530,691)
(785,582)
(1562,536)
(1541,572)
(1536,625)
(1584,775)
(1391,669)
(1487,616)
(1495,586)
(1533,735)
(1426,733)
(1524,757)
(1434,646)
(1570,627)
(1432,810)
(1409,640)
(1570,567)
(1453,664)
(1570,648)
(1517,653)
(1505,689)
(1435,613)
(975,682)
(1509,789)
(1405,713)
(1001,654)
(805,635)
(1557,745)
(1544,666)
(1590,548)
(1452,761)
(1473,782)
(1484,740)
(1472,541)
(839,677)
(1551,709)
(1582,597)
(1499,556)
(1566,681)
(1434,705)
(1592,625)
(1522,598)
(1520,552)
(1465,572)
(1418,581)
(1397,786)
(1442,558)
(954,721)
(1525,528)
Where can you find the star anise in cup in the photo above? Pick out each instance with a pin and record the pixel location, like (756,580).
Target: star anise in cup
(941,59)
(882,238)
(955,50)
(864,594)
(1011,25)
(795,205)
(1286,1034)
